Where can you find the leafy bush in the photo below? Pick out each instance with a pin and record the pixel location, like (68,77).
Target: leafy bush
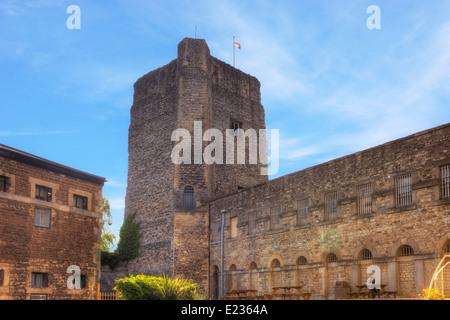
(143,287)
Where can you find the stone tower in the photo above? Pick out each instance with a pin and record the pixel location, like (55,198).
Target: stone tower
(171,200)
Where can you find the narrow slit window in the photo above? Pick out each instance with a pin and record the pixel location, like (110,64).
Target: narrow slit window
(252,223)
(302,214)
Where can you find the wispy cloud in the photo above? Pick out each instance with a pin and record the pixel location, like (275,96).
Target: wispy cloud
(32,133)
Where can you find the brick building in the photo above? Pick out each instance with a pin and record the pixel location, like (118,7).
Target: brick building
(388,206)
(49,220)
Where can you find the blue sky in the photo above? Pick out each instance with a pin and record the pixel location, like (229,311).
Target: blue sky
(328,83)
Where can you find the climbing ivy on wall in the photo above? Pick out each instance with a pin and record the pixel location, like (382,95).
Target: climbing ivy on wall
(128,246)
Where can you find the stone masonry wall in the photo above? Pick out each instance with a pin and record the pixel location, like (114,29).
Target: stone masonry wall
(424,225)
(73,238)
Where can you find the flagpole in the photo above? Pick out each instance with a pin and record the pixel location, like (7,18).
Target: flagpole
(234,62)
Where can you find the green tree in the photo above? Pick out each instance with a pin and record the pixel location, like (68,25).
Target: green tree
(108,237)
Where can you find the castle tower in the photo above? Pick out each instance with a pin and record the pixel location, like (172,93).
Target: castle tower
(171,200)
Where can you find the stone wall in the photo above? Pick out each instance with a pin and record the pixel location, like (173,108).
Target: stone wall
(72,238)
(424,225)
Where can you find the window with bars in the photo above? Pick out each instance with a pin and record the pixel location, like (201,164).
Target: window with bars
(445,182)
(80,202)
(275,222)
(3,183)
(403,190)
(43,193)
(331,208)
(42,217)
(405,251)
(188,198)
(301,261)
(234,124)
(332,258)
(302,214)
(39,280)
(365,254)
(252,223)
(364,198)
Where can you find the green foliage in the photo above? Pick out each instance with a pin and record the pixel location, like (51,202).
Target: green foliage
(128,246)
(108,237)
(143,287)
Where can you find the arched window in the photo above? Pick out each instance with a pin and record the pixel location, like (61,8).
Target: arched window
(332,258)
(365,254)
(301,261)
(188,198)
(275,264)
(405,251)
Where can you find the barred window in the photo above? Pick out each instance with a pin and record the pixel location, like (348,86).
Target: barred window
(331,210)
(332,258)
(301,261)
(80,202)
(445,182)
(188,198)
(252,223)
(42,217)
(302,215)
(403,190)
(43,193)
(364,198)
(405,251)
(39,280)
(365,254)
(275,218)
(3,183)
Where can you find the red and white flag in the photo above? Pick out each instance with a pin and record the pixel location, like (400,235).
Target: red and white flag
(237,44)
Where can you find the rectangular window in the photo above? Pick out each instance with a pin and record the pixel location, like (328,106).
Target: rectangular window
(2,277)
(252,223)
(233,227)
(331,209)
(42,217)
(43,193)
(39,280)
(302,214)
(403,190)
(37,296)
(80,202)
(275,213)
(3,183)
(445,182)
(364,198)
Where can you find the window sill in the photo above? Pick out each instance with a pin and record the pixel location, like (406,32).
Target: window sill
(325,222)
